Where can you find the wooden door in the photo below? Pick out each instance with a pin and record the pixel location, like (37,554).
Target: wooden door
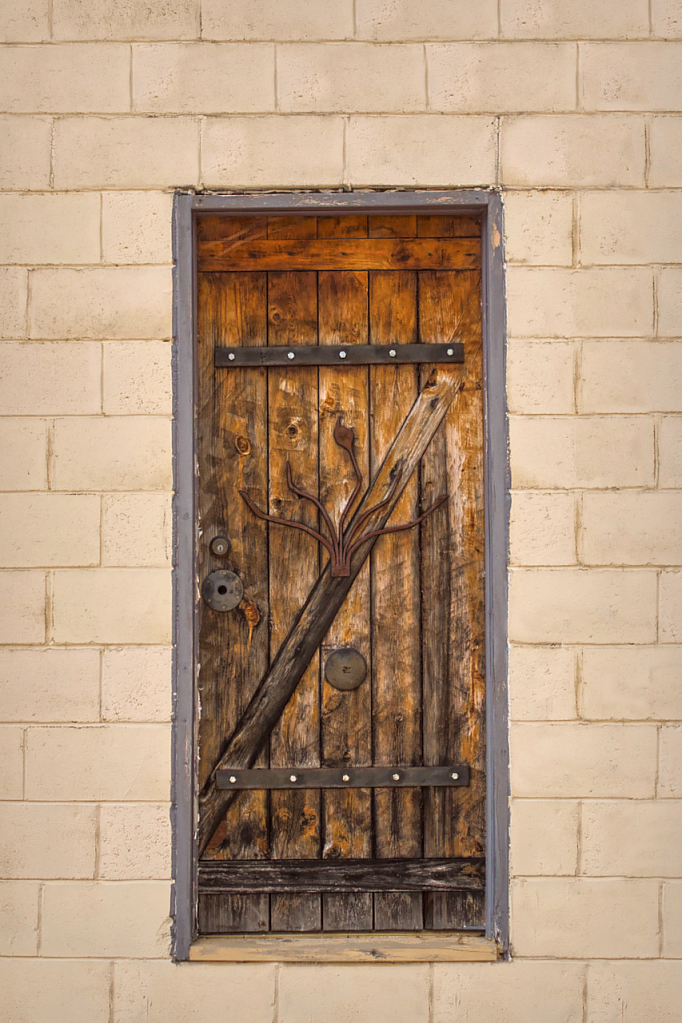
(316,402)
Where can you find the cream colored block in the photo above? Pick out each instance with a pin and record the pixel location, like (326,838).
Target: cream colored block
(670,302)
(599,302)
(25,153)
(13,302)
(581,918)
(263,152)
(18,918)
(632,992)
(136,530)
(11,762)
(520,992)
(542,529)
(28,22)
(214,78)
(672,920)
(541,683)
(59,990)
(112,453)
(344,77)
(136,227)
(665,146)
(631,76)
(472,78)
(538,228)
(666,18)
(630,227)
(398,995)
(567,605)
(570,451)
(112,605)
(540,377)
(135,842)
(127,19)
(136,684)
(670,451)
(630,682)
(654,838)
(106,918)
(23,454)
(578,19)
(670,611)
(49,228)
(579,760)
(670,765)
(49,685)
(544,837)
(165,992)
(49,529)
(126,152)
(630,376)
(448,150)
(115,302)
(22,607)
(65,78)
(100,762)
(395,20)
(50,379)
(271,19)
(47,840)
(572,150)
(137,378)
(631,528)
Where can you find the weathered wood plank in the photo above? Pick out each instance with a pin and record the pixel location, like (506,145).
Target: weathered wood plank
(453,226)
(347,948)
(392,226)
(213,228)
(292,227)
(343,226)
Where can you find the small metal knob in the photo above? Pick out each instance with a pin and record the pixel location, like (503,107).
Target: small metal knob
(454,776)
(231,356)
(345,777)
(451,351)
(292,777)
(232,779)
(342,355)
(396,777)
(290,355)
(219,546)
(392,353)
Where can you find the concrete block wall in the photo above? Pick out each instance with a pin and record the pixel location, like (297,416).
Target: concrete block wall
(573,110)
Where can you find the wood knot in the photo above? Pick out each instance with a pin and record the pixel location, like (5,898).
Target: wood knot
(242,445)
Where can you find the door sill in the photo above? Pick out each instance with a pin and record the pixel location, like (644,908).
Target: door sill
(388,947)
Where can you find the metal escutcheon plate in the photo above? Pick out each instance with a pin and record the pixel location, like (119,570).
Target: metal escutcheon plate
(345,668)
(222,590)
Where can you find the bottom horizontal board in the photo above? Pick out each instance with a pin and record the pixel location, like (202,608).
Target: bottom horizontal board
(436,947)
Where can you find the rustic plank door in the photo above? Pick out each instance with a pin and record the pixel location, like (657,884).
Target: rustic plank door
(341,409)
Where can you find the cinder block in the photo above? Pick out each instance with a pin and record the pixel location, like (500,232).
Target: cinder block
(136,684)
(578,760)
(631,682)
(520,992)
(630,376)
(137,378)
(337,994)
(425,19)
(666,19)
(59,990)
(50,379)
(65,78)
(213,78)
(630,227)
(106,919)
(163,992)
(538,228)
(136,530)
(670,451)
(42,530)
(100,762)
(670,612)
(11,762)
(672,920)
(23,454)
(631,992)
(345,77)
(572,150)
(631,528)
(126,152)
(426,150)
(670,302)
(136,227)
(112,302)
(569,451)
(134,19)
(18,919)
(25,154)
(112,605)
(270,19)
(665,147)
(49,228)
(653,847)
(22,607)
(46,840)
(112,453)
(25,23)
(472,78)
(540,377)
(135,842)
(542,528)
(580,19)
(13,301)
(597,302)
(544,837)
(49,685)
(670,765)
(541,683)
(631,76)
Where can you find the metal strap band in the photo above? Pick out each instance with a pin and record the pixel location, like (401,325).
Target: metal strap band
(337,355)
(342,777)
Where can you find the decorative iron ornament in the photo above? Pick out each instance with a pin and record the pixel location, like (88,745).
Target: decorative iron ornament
(341,548)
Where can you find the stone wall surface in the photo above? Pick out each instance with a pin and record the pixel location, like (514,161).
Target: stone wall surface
(571,108)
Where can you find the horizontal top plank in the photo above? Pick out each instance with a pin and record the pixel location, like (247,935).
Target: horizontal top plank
(393,947)
(340,254)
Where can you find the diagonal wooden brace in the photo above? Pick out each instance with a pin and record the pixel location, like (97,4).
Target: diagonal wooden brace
(327,596)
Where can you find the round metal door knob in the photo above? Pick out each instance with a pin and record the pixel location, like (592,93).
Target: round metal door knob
(345,668)
(220,545)
(222,590)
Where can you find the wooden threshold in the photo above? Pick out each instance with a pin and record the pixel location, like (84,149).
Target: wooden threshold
(392,947)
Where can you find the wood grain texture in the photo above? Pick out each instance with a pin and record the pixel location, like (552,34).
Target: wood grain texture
(340,254)
(347,948)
